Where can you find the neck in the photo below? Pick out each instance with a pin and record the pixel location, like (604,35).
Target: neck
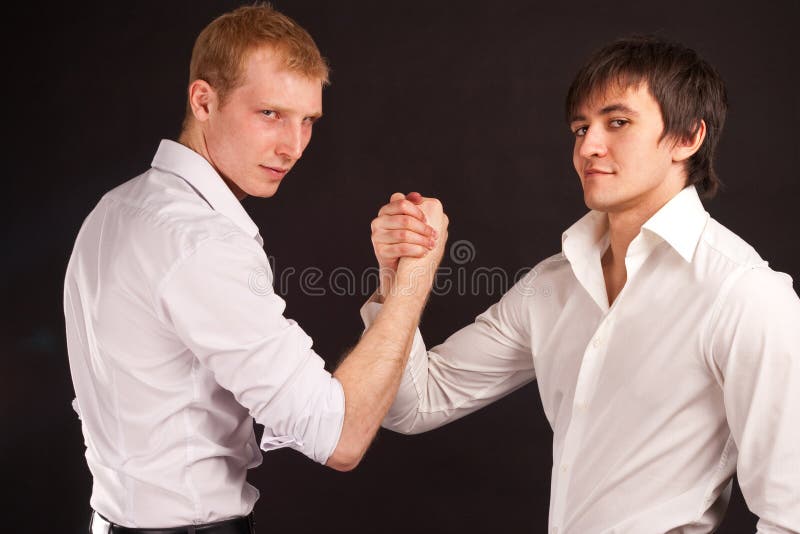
(624,225)
(193,138)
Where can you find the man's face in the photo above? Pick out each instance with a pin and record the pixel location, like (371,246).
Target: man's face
(264,125)
(619,156)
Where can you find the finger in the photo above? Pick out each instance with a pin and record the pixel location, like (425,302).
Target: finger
(414,197)
(396,196)
(402,207)
(403,222)
(391,237)
(402,250)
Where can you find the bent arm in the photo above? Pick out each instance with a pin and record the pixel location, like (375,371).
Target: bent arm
(233,324)
(477,365)
(371,373)
(215,300)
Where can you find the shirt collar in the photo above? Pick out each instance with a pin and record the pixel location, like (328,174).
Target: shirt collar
(583,244)
(184,162)
(679,222)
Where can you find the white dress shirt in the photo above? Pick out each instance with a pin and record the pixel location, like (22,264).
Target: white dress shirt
(176,341)
(693,373)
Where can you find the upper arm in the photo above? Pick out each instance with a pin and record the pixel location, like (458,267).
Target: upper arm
(220,303)
(755,346)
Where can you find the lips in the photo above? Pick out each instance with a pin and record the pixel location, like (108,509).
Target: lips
(593,171)
(275,172)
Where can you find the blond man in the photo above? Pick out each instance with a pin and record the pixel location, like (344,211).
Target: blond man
(177,341)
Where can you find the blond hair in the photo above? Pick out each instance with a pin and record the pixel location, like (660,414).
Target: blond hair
(222,48)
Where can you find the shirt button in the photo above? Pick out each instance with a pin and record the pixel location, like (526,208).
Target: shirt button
(564,468)
(554,530)
(596,342)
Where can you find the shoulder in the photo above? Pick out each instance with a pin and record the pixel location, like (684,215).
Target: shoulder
(146,228)
(159,207)
(761,292)
(552,271)
(551,265)
(748,278)
(724,245)
(542,277)
(747,285)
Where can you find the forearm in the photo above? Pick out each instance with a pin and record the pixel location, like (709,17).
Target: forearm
(472,368)
(371,373)
(455,379)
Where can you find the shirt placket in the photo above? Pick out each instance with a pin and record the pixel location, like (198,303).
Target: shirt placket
(588,376)
(586,384)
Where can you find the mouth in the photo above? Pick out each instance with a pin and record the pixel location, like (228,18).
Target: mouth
(592,172)
(275,173)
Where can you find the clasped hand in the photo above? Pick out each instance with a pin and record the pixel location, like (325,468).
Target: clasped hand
(409,226)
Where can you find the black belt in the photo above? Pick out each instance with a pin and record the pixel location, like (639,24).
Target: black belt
(237,525)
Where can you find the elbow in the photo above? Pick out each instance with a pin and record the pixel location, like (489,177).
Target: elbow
(407,431)
(345,458)
(343,466)
(407,424)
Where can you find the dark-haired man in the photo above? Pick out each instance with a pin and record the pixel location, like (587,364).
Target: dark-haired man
(666,351)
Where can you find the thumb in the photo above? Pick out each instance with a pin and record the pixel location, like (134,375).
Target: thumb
(396,196)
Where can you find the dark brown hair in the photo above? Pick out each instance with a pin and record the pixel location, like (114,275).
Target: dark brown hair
(685,86)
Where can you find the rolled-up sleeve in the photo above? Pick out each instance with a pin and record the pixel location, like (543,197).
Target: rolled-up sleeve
(756,349)
(220,301)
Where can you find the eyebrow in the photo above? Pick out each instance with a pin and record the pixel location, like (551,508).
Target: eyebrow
(611,108)
(263,105)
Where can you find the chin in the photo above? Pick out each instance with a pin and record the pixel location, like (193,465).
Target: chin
(600,202)
(593,201)
(262,190)
(265,193)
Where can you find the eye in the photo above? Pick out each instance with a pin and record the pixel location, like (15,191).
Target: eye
(269,113)
(619,123)
(580,131)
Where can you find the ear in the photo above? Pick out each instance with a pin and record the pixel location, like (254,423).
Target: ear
(202,99)
(685,148)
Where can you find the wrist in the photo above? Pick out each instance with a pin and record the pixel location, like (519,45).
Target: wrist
(414,278)
(387,277)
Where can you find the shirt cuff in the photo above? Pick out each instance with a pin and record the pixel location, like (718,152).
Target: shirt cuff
(317,434)
(369,311)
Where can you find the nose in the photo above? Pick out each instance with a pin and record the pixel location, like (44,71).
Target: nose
(593,143)
(292,141)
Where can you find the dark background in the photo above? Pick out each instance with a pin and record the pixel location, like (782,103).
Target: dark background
(458,100)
